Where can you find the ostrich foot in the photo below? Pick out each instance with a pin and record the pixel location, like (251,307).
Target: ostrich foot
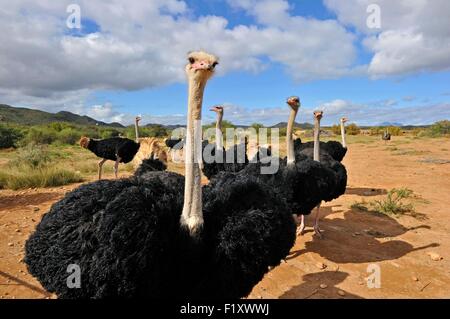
(318,232)
(301,229)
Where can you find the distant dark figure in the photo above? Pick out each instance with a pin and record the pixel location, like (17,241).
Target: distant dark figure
(386,136)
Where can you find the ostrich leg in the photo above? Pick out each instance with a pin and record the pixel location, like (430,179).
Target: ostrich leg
(301,228)
(116,166)
(317,230)
(317,118)
(100,166)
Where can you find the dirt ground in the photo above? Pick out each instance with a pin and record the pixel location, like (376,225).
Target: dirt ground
(354,240)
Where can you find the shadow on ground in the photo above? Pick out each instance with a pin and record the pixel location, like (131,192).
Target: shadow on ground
(310,288)
(359,238)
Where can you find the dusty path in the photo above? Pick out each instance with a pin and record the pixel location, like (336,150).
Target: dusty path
(353,239)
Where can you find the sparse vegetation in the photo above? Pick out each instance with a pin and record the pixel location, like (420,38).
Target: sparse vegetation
(394,202)
(351,129)
(379,130)
(393,205)
(32,167)
(42,177)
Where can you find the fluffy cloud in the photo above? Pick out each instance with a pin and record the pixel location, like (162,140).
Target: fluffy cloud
(141,44)
(377,112)
(414,35)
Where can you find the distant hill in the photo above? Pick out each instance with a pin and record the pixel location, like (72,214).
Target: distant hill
(391,124)
(304,126)
(26,116)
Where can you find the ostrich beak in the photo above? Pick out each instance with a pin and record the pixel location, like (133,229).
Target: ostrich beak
(203,65)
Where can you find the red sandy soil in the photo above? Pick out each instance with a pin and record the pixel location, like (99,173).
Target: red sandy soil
(332,267)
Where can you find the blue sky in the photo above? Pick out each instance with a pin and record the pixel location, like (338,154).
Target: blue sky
(129,61)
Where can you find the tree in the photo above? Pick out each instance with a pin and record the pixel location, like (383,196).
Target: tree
(9,136)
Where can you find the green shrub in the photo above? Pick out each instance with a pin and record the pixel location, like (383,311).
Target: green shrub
(69,136)
(31,156)
(108,133)
(439,129)
(40,135)
(352,129)
(393,204)
(9,136)
(395,130)
(36,178)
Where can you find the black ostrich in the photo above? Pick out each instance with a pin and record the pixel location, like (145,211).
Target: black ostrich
(216,159)
(328,162)
(386,136)
(138,237)
(300,180)
(333,148)
(117,149)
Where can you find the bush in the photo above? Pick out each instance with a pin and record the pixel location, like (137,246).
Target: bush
(108,133)
(31,156)
(69,136)
(336,129)
(42,177)
(40,135)
(352,129)
(439,129)
(395,130)
(9,136)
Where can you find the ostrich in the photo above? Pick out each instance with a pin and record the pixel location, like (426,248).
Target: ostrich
(333,148)
(386,136)
(149,147)
(139,237)
(301,181)
(339,171)
(118,149)
(234,159)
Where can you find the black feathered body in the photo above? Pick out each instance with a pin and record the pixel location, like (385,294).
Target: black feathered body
(332,148)
(340,173)
(303,184)
(174,143)
(125,235)
(114,147)
(231,160)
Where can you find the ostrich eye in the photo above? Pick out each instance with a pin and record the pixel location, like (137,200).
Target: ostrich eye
(191,60)
(215,64)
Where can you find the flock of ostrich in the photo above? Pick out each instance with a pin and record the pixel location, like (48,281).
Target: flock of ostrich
(159,234)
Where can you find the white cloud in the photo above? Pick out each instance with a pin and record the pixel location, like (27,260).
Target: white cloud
(414,35)
(143,44)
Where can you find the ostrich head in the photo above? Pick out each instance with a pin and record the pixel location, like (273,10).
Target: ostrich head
(201,66)
(84,141)
(344,119)
(293,102)
(138,119)
(217,108)
(318,115)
